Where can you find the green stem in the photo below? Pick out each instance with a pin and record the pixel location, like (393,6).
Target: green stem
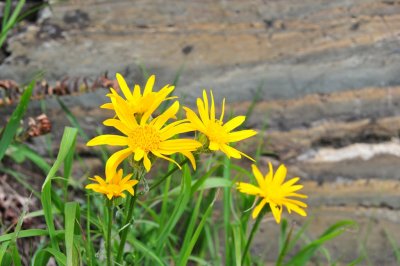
(170,172)
(125,230)
(251,236)
(88,238)
(226,212)
(109,225)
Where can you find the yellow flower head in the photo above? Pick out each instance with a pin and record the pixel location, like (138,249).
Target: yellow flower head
(146,138)
(115,186)
(136,102)
(219,134)
(272,190)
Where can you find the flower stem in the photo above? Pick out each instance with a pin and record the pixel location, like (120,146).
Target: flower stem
(125,230)
(162,179)
(251,236)
(110,221)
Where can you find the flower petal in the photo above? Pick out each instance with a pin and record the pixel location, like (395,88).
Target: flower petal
(113,140)
(124,87)
(241,135)
(115,160)
(234,123)
(258,208)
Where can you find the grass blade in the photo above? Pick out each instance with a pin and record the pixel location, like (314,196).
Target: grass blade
(71,215)
(196,234)
(179,209)
(305,254)
(148,253)
(66,145)
(13,123)
(189,230)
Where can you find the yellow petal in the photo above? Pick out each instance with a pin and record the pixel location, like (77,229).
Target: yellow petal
(118,125)
(280,175)
(203,112)
(178,128)
(290,182)
(113,140)
(230,152)
(269,176)
(115,160)
(139,153)
(258,208)
(223,110)
(166,158)
(212,110)
(296,209)
(179,145)
(191,158)
(241,135)
(195,120)
(107,106)
(164,117)
(234,123)
(124,87)
(149,85)
(214,146)
(206,108)
(146,163)
(249,189)
(276,211)
(259,177)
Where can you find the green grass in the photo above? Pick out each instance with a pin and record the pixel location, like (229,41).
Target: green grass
(177,217)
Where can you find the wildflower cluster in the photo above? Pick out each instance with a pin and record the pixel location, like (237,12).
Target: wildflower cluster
(146,136)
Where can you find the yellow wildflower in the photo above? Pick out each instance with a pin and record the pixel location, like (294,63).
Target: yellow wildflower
(219,134)
(137,102)
(115,186)
(272,190)
(145,139)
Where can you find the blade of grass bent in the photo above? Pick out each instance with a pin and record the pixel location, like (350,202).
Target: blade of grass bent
(67,142)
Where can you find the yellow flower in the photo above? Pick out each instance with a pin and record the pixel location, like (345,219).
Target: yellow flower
(146,139)
(115,187)
(272,190)
(219,134)
(137,102)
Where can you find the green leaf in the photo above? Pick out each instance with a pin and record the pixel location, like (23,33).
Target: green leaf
(66,145)
(71,215)
(189,230)
(9,22)
(15,256)
(3,250)
(305,254)
(23,152)
(40,256)
(196,234)
(237,241)
(12,125)
(24,233)
(148,253)
(179,209)
(395,247)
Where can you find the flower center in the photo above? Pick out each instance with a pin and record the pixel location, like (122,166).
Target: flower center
(216,133)
(145,138)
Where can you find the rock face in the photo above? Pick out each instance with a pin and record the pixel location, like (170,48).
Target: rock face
(289,48)
(325,76)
